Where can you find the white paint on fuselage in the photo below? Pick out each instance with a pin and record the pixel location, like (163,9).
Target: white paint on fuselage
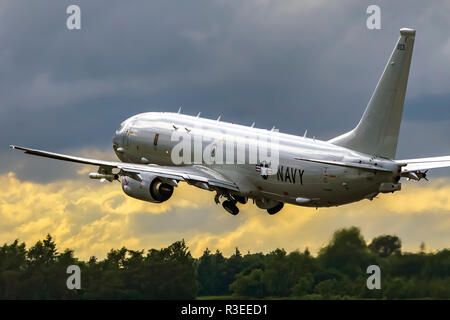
(325,185)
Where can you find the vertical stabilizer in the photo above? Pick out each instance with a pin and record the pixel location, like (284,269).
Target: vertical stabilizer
(377,131)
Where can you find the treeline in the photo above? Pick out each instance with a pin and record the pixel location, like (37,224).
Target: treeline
(337,272)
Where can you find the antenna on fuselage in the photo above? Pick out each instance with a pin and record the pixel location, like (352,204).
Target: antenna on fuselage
(273,128)
(306,131)
(199,114)
(179,110)
(218,119)
(253,124)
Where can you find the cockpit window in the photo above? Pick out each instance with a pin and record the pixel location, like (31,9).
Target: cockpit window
(122,125)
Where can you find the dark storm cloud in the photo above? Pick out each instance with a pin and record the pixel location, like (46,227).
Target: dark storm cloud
(292,64)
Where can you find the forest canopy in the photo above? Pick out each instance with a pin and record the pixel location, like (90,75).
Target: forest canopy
(339,271)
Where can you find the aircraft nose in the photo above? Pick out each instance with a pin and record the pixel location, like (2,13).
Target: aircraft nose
(118,142)
(115,140)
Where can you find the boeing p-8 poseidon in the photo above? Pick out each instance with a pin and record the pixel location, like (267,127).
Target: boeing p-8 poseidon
(351,167)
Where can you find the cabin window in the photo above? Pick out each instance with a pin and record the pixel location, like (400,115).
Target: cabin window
(155,140)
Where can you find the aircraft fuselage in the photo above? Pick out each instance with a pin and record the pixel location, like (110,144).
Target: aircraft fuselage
(148,139)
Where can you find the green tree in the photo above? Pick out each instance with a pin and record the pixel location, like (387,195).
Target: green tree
(386,245)
(276,274)
(326,288)
(234,265)
(171,273)
(303,286)
(12,266)
(206,273)
(347,252)
(250,285)
(43,252)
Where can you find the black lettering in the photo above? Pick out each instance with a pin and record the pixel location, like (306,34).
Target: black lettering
(287,175)
(293,174)
(280,173)
(301,172)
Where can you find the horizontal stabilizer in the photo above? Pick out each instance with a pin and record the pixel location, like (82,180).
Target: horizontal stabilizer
(412,165)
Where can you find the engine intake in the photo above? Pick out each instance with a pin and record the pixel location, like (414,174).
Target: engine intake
(160,191)
(151,188)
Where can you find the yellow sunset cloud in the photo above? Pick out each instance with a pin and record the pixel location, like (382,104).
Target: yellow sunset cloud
(92,217)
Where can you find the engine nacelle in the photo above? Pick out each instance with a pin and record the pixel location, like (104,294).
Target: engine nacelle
(151,188)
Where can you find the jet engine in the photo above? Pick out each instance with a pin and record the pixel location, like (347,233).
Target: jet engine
(151,188)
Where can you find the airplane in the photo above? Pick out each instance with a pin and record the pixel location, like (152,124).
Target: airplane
(356,165)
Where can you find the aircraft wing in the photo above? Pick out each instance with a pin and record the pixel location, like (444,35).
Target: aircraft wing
(424,163)
(195,174)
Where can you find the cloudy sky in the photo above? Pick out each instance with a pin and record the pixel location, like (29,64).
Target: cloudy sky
(295,65)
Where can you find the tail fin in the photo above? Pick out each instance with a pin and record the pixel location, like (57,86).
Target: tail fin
(377,131)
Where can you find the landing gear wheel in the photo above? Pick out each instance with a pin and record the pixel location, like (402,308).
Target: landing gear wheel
(217,197)
(240,199)
(230,206)
(276,209)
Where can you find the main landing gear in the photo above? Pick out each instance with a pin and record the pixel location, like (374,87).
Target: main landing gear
(230,203)
(276,209)
(240,199)
(230,206)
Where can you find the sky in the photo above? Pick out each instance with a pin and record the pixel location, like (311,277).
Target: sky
(295,65)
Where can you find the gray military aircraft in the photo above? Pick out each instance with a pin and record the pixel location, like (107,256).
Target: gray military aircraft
(354,166)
